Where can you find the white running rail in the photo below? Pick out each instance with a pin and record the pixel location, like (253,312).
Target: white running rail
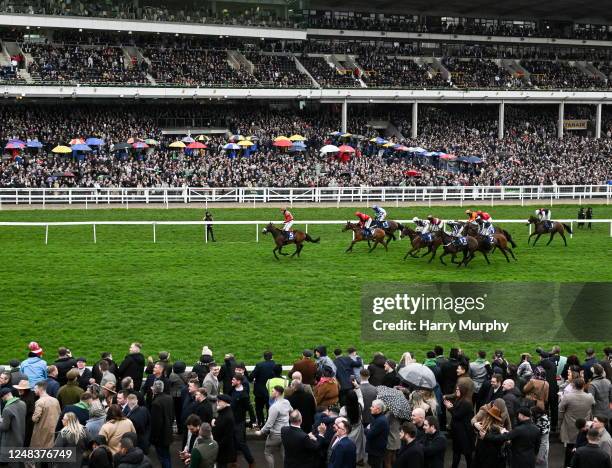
(255,195)
(257,224)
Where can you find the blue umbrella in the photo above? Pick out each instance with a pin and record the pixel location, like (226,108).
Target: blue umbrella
(94,141)
(34,144)
(474,160)
(17,141)
(80,147)
(298,148)
(463,159)
(231,146)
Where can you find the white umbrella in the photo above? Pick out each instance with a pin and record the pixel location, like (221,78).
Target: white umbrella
(418,375)
(329,149)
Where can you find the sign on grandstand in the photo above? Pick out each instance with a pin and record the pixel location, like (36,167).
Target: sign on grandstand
(580,124)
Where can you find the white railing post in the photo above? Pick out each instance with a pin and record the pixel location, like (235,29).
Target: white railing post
(257,233)
(571,229)
(94,233)
(154,234)
(306,230)
(46,234)
(206,232)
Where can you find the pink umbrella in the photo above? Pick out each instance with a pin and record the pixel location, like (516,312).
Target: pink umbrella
(76,141)
(283,143)
(196,145)
(14,145)
(346,149)
(140,145)
(448,156)
(401,148)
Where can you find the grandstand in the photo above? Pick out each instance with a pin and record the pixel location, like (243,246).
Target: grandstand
(501,86)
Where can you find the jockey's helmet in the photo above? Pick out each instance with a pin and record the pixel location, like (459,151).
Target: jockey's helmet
(358,213)
(376,207)
(430,217)
(415,219)
(468,212)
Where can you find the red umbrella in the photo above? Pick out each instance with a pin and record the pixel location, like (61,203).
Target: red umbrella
(412,173)
(448,156)
(283,143)
(196,145)
(346,149)
(140,145)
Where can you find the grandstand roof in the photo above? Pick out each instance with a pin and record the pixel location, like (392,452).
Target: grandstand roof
(588,11)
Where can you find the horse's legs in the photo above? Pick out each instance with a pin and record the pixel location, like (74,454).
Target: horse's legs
(374,246)
(512,253)
(433,255)
(274,252)
(552,234)
(386,244)
(410,252)
(563,237)
(298,247)
(442,257)
(530,236)
(428,251)
(350,247)
(454,257)
(484,254)
(505,254)
(536,239)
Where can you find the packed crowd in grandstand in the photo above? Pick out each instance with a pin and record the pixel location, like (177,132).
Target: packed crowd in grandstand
(530,154)
(152,60)
(400,411)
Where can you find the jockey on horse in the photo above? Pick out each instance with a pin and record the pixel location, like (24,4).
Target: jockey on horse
(486,230)
(379,219)
(427,227)
(287,223)
(544,214)
(365,223)
(475,215)
(456,233)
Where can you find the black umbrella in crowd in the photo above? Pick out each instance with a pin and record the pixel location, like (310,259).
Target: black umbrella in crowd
(395,400)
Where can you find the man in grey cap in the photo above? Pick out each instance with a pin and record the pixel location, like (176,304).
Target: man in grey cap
(16,374)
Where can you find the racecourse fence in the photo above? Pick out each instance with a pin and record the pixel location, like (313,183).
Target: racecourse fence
(257,224)
(262,195)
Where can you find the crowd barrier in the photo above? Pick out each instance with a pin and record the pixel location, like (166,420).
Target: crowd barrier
(257,224)
(254,195)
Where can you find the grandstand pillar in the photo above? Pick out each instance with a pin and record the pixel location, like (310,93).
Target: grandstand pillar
(344,115)
(500,120)
(598,121)
(415,120)
(561,117)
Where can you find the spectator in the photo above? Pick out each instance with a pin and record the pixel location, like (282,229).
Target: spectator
(85,376)
(411,453)
(278,417)
(525,440)
(368,393)
(224,432)
(601,389)
(70,393)
(263,371)
(80,409)
(300,447)
(605,441)
(205,452)
(327,389)
(377,369)
(342,450)
(537,388)
(460,429)
(377,433)
(141,419)
(304,402)
(306,366)
(162,416)
(34,367)
(64,363)
(16,374)
(577,404)
(130,456)
(73,435)
(46,414)
(591,455)
(434,444)
(97,419)
(115,427)
(240,408)
(133,365)
(53,385)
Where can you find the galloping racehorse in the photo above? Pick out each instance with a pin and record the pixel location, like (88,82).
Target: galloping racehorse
(378,236)
(417,242)
(280,239)
(450,247)
(486,245)
(390,226)
(540,228)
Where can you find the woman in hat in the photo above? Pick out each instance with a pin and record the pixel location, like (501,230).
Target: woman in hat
(503,409)
(488,452)
(73,434)
(29,398)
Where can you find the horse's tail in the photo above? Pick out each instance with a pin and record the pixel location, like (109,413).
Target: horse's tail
(509,237)
(567,228)
(310,239)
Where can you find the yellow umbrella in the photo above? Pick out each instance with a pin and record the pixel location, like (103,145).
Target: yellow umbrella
(245,143)
(388,145)
(346,135)
(202,138)
(297,138)
(62,149)
(282,138)
(177,144)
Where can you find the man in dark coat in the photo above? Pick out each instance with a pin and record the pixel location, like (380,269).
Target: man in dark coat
(64,363)
(343,450)
(141,419)
(305,366)
(263,372)
(53,385)
(376,435)
(85,374)
(223,432)
(133,365)
(434,444)
(227,373)
(80,410)
(240,408)
(300,447)
(591,455)
(377,369)
(162,416)
(525,438)
(305,403)
(448,372)
(411,452)
(13,424)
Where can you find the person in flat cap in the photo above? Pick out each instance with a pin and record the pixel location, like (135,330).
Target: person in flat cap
(85,374)
(12,427)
